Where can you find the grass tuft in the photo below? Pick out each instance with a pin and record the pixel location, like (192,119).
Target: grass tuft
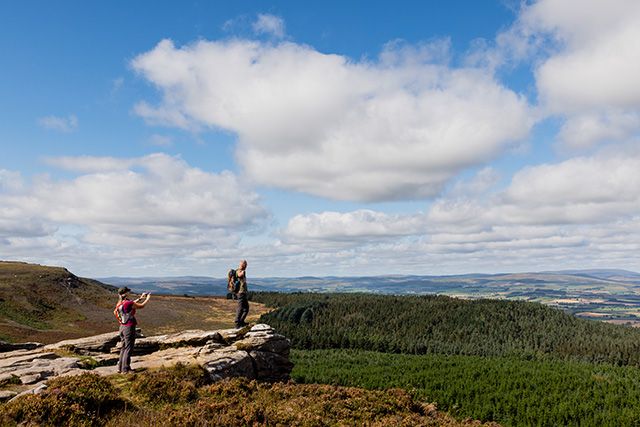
(178,384)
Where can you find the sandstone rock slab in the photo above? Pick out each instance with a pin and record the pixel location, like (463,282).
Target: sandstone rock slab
(7,346)
(102,343)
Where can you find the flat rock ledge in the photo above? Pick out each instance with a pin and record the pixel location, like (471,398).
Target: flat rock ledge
(256,352)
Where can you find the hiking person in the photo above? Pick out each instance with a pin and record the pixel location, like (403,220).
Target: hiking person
(243,301)
(125,312)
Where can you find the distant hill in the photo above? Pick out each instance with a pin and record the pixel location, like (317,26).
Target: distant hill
(50,304)
(604,294)
(607,274)
(466,285)
(190,285)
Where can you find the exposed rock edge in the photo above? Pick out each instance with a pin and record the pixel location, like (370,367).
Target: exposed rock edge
(256,352)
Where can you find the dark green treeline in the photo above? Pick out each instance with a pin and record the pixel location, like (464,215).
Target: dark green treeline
(449,326)
(508,390)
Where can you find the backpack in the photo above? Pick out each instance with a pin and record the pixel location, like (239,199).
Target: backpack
(233,282)
(121,315)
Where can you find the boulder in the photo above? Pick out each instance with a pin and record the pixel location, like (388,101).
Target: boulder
(267,343)
(228,363)
(271,366)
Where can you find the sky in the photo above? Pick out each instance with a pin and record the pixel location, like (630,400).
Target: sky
(158,138)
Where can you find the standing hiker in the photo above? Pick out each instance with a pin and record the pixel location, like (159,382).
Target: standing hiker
(125,312)
(243,301)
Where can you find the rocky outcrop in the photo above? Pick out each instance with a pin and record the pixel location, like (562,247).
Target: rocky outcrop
(7,346)
(256,353)
(102,343)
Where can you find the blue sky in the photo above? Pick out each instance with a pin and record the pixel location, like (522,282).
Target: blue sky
(175,138)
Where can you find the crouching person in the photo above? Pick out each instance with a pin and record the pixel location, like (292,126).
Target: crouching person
(125,312)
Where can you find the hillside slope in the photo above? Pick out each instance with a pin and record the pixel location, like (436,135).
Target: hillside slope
(46,303)
(50,304)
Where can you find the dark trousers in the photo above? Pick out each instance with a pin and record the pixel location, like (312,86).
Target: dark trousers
(243,309)
(128,338)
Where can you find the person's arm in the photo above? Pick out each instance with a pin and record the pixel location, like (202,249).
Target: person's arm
(139,304)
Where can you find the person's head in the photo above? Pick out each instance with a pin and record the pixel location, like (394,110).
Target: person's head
(123,292)
(243,264)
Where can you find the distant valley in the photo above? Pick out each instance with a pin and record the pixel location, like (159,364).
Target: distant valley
(608,295)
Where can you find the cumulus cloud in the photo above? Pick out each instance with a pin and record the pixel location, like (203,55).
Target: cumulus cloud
(577,212)
(598,189)
(155,190)
(587,63)
(588,129)
(154,206)
(599,57)
(580,190)
(270,25)
(393,129)
(61,124)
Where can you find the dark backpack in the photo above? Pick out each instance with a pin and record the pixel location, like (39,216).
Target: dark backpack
(233,282)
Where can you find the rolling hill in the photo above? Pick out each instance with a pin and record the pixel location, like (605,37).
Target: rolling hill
(50,304)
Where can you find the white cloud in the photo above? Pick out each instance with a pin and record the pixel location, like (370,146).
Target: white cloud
(156,190)
(587,61)
(588,129)
(600,189)
(10,181)
(582,211)
(326,125)
(360,225)
(123,210)
(61,124)
(581,190)
(269,24)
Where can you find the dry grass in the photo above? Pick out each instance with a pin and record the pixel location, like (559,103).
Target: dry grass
(49,304)
(178,397)
(165,314)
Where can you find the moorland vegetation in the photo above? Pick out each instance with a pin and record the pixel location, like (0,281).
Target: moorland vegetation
(516,363)
(511,362)
(182,396)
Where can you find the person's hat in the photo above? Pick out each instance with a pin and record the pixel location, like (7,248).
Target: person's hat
(123,291)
